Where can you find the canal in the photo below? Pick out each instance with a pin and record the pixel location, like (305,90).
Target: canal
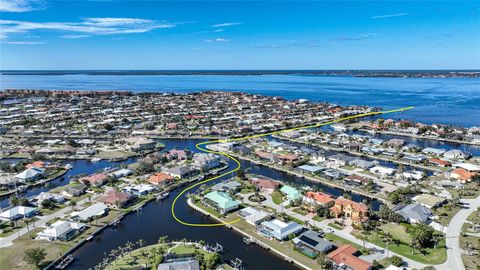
(155,219)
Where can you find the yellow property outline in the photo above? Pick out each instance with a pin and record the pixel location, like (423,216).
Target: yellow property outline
(198,146)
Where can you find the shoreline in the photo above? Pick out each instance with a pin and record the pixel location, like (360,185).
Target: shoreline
(263,245)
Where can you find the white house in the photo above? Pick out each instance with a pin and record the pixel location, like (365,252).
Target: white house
(415,175)
(96,210)
(279,229)
(18,212)
(61,230)
(253,215)
(43,196)
(382,170)
(30,174)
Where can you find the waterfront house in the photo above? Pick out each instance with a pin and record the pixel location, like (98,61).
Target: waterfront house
(433,151)
(412,175)
(382,170)
(414,158)
(18,212)
(74,190)
(61,231)
(291,193)
(430,201)
(267,156)
(362,164)
(353,211)
(317,198)
(254,216)
(344,258)
(89,213)
(278,229)
(44,196)
(177,154)
(227,186)
(414,213)
(141,144)
(220,201)
(116,199)
(122,173)
(356,180)
(182,172)
(180,264)
(265,184)
(311,243)
(139,190)
(206,161)
(30,174)
(160,178)
(95,180)
(312,169)
(456,154)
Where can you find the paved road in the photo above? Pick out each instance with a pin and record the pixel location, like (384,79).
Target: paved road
(454,260)
(8,241)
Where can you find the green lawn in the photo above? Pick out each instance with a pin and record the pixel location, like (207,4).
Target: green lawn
(338,241)
(402,247)
(335,226)
(277,197)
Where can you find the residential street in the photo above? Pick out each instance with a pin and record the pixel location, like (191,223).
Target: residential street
(7,241)
(454,260)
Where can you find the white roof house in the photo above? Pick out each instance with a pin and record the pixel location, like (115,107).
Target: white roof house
(142,189)
(122,173)
(467,166)
(18,212)
(30,174)
(456,154)
(416,175)
(61,230)
(279,229)
(253,215)
(37,200)
(382,170)
(95,210)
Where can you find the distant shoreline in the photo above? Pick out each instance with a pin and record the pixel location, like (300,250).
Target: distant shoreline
(352,73)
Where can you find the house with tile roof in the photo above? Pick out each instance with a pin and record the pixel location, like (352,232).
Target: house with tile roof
(353,211)
(317,198)
(116,199)
(344,258)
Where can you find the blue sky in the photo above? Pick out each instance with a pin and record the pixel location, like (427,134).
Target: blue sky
(102,34)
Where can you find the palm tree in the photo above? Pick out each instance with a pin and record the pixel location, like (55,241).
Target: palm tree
(162,239)
(141,243)
(387,237)
(27,221)
(129,247)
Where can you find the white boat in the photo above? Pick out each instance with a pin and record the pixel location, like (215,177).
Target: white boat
(162,196)
(96,159)
(339,127)
(68,166)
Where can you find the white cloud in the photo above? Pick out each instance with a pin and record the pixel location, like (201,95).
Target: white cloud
(389,15)
(24,42)
(217,40)
(19,5)
(99,26)
(226,24)
(3,36)
(74,36)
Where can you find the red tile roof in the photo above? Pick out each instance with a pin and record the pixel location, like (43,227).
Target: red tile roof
(320,197)
(265,183)
(344,255)
(360,207)
(113,197)
(159,178)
